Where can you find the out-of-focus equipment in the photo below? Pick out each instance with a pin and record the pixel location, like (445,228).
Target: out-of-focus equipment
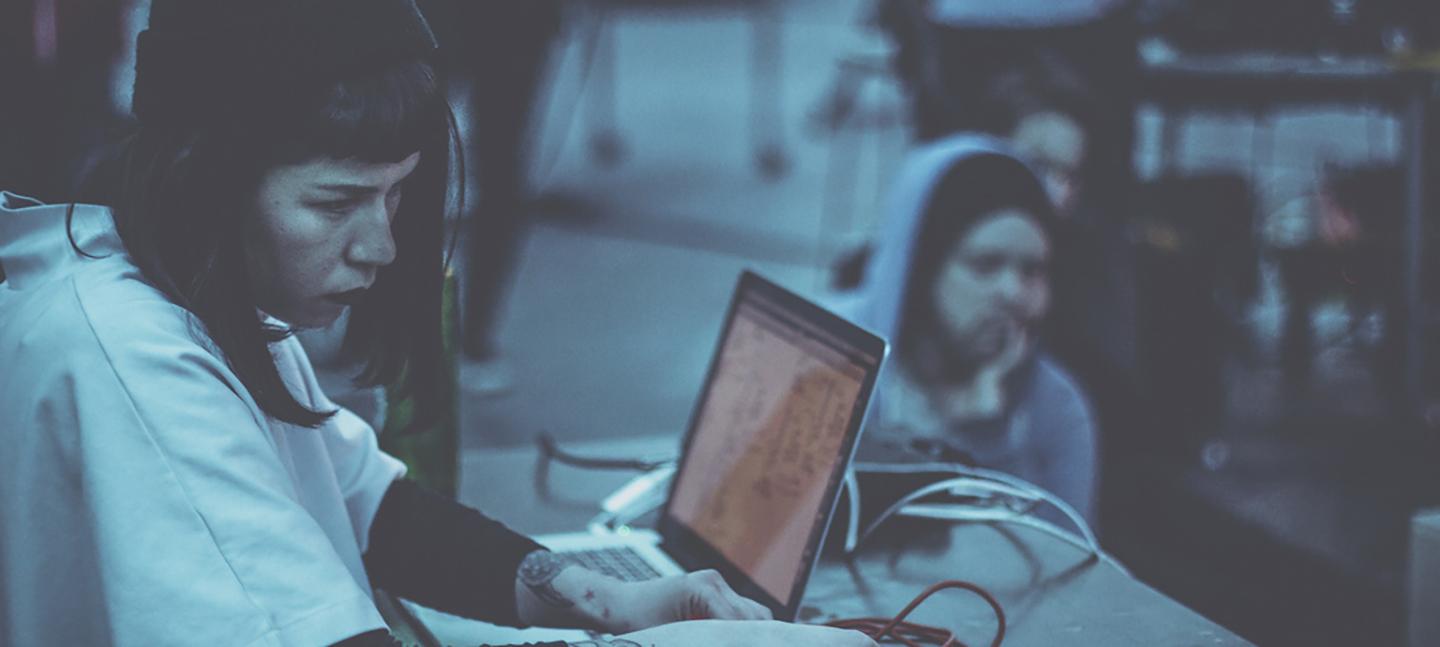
(1423,588)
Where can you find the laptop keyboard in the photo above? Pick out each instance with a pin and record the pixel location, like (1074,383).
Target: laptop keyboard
(621,563)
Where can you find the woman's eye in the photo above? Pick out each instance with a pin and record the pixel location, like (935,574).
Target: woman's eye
(985,265)
(337,207)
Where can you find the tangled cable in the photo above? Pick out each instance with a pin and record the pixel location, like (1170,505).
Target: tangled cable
(994,497)
(915,635)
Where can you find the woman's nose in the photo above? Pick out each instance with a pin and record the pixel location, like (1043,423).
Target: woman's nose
(1010,286)
(373,244)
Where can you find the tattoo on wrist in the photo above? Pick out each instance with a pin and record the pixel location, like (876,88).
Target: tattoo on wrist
(538,572)
(613,642)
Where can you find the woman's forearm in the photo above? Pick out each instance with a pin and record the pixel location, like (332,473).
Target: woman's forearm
(552,591)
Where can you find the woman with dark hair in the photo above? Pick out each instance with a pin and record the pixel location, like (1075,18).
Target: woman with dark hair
(960,284)
(174,474)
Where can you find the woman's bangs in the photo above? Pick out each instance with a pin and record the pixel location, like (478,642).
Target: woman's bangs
(380,117)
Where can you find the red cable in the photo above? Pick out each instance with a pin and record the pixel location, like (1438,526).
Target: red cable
(911,634)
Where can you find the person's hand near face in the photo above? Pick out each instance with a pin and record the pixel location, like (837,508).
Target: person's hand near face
(692,609)
(322,234)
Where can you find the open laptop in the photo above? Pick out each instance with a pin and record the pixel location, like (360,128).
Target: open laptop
(772,434)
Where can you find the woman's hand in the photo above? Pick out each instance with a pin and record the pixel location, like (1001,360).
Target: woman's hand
(702,595)
(984,397)
(552,591)
(752,633)
(692,609)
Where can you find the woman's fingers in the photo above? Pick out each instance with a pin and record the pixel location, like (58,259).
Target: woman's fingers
(711,597)
(717,600)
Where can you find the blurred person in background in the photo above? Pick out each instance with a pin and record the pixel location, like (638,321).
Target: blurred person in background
(1047,115)
(960,283)
(950,53)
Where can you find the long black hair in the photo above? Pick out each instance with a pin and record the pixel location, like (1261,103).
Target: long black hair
(182,191)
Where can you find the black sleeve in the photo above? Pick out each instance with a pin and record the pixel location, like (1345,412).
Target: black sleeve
(382,638)
(434,551)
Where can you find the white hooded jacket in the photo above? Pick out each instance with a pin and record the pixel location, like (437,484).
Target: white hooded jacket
(145,499)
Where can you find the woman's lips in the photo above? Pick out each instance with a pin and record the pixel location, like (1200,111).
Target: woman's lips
(348,298)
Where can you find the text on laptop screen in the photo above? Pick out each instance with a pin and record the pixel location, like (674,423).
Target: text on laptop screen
(767,443)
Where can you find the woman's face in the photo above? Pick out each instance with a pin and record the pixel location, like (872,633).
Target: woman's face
(993,287)
(321,235)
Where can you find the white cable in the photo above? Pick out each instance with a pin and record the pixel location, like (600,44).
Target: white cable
(993,475)
(962,513)
(638,490)
(981,488)
(955,486)
(971,481)
(1060,504)
(636,498)
(1070,538)
(852,526)
(957,512)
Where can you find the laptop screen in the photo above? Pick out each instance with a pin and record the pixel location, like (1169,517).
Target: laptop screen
(774,430)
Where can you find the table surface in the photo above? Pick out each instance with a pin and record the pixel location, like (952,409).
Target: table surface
(1052,592)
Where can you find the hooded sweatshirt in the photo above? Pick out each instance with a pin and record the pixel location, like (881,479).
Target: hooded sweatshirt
(1042,429)
(146,497)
